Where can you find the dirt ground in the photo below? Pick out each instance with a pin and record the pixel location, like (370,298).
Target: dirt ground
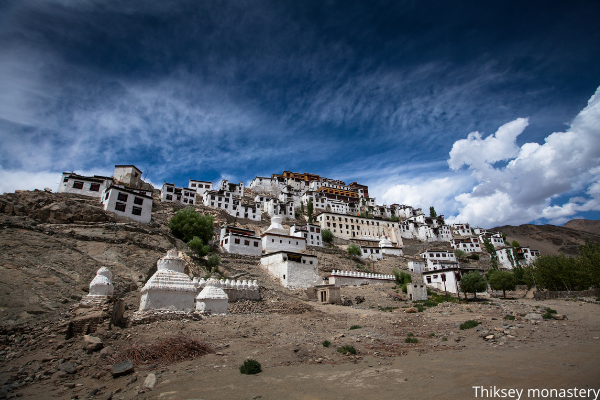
(287,339)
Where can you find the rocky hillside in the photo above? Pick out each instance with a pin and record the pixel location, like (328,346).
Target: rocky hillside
(550,239)
(585,225)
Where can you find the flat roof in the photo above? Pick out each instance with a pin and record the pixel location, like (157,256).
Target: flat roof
(125,166)
(279,234)
(289,252)
(128,191)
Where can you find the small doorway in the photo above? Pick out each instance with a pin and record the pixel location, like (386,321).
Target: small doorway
(323,297)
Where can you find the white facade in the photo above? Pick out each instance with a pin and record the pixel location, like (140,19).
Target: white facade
(495,239)
(200,186)
(524,255)
(310,232)
(128,175)
(416,291)
(416,266)
(240,241)
(294,270)
(354,227)
(355,278)
(461,229)
(237,190)
(504,257)
(371,253)
(136,205)
(433,258)
(169,288)
(273,243)
(434,279)
(171,193)
(467,244)
(92,186)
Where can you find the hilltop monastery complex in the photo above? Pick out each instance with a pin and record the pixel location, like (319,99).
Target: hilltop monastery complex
(347,210)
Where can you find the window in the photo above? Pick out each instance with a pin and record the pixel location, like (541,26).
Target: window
(226,240)
(246,243)
(169,189)
(120,207)
(95,187)
(122,197)
(66,179)
(310,262)
(78,185)
(138,200)
(106,197)
(136,210)
(255,244)
(237,241)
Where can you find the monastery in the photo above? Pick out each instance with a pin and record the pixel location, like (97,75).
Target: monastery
(347,210)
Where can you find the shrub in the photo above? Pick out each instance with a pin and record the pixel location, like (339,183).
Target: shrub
(474,256)
(355,327)
(212,264)
(250,367)
(548,313)
(468,324)
(444,339)
(411,339)
(187,223)
(326,343)
(327,236)
(346,350)
(410,335)
(197,245)
(431,334)
(460,253)
(354,250)
(509,317)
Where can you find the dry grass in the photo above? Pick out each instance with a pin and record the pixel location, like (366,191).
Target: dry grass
(167,351)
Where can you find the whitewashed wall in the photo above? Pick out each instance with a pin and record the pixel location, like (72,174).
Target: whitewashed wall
(272,243)
(110,200)
(229,245)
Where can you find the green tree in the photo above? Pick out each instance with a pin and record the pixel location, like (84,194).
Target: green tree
(187,224)
(515,244)
(213,262)
(302,208)
(460,253)
(394,218)
(327,236)
(432,212)
(489,247)
(473,282)
(503,280)
(309,211)
(354,250)
(197,245)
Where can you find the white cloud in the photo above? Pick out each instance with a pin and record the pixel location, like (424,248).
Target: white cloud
(564,170)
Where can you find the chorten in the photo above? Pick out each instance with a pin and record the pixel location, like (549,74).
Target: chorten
(212,299)
(169,288)
(276,227)
(101,287)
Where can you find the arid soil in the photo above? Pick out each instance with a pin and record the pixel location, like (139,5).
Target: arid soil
(52,244)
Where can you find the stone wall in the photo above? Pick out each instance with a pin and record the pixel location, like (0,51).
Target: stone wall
(547,295)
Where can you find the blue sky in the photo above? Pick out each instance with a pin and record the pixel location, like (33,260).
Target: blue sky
(386,93)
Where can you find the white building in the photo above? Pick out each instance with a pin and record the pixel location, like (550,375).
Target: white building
(461,229)
(274,208)
(416,266)
(129,203)
(171,193)
(436,257)
(388,249)
(496,239)
(355,278)
(310,232)
(236,190)
(355,227)
(92,186)
(504,257)
(524,255)
(128,175)
(294,270)
(371,253)
(240,241)
(467,244)
(277,238)
(200,186)
(447,277)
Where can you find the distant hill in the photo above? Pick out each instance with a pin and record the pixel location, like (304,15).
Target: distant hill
(550,239)
(586,225)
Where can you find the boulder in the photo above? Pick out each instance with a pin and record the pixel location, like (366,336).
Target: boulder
(68,368)
(107,352)
(559,317)
(92,343)
(533,317)
(150,382)
(411,310)
(122,368)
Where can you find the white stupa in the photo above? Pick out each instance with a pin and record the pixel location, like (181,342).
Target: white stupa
(276,227)
(169,288)
(101,287)
(385,242)
(212,299)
